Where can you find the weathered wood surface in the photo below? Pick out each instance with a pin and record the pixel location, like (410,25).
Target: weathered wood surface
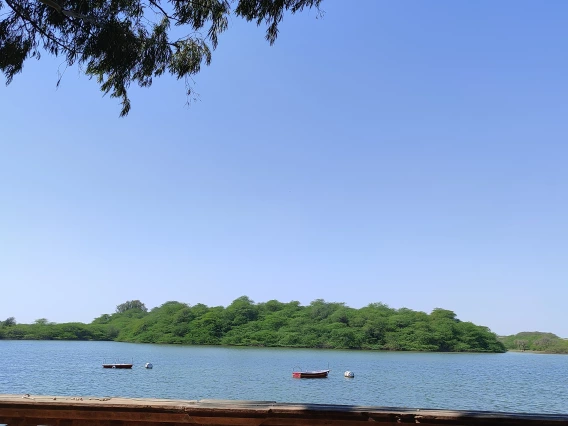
(24,410)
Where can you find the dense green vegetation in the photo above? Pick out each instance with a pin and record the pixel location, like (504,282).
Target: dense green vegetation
(276,324)
(536,341)
(41,329)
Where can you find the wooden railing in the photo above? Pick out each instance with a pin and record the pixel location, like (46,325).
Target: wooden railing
(27,410)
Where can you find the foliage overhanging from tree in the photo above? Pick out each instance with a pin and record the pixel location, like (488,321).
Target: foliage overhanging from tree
(275,324)
(119,42)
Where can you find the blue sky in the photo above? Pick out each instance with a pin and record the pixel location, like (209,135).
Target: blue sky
(411,153)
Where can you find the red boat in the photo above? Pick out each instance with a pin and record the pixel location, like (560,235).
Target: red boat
(318,374)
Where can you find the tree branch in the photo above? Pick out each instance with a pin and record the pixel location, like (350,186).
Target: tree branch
(22,15)
(155,4)
(68,13)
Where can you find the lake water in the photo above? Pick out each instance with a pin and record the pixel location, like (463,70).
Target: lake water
(511,382)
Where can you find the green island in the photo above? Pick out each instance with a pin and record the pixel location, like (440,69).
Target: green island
(320,324)
(535,341)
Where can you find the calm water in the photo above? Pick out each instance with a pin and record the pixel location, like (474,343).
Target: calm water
(513,382)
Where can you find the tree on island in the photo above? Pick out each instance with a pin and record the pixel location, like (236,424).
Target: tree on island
(119,42)
(521,344)
(131,304)
(8,322)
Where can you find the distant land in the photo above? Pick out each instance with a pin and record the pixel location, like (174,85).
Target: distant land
(275,324)
(535,341)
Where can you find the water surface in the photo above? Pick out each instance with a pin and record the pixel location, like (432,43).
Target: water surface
(511,382)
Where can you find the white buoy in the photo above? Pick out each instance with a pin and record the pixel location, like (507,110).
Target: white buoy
(349,374)
(148,365)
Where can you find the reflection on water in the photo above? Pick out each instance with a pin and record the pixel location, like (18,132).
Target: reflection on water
(514,382)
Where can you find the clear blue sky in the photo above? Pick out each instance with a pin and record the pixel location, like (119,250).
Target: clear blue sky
(406,152)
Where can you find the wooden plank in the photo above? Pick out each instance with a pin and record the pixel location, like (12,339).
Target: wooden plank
(82,411)
(110,415)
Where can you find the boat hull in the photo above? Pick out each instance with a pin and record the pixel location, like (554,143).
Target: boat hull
(123,366)
(320,374)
